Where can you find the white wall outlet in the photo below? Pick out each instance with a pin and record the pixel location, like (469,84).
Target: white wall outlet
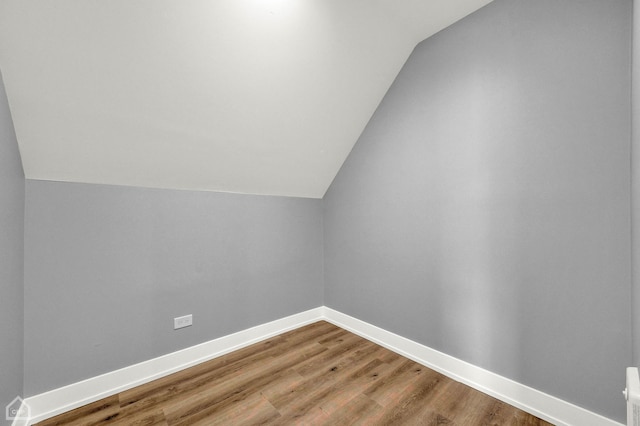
(181,322)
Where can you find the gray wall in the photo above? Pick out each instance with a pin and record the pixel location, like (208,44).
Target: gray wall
(635,182)
(485,210)
(108,268)
(11,259)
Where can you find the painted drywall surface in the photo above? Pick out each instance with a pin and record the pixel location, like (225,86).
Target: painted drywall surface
(485,210)
(107,269)
(635,182)
(252,96)
(11,259)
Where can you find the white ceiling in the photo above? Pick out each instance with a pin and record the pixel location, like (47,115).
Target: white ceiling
(249,96)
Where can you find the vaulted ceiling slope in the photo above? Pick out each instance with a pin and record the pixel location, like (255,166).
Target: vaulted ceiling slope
(249,96)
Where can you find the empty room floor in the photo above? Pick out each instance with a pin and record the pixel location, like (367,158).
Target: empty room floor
(319,374)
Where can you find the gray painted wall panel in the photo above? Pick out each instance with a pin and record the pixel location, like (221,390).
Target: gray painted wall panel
(635,183)
(108,268)
(11,259)
(485,210)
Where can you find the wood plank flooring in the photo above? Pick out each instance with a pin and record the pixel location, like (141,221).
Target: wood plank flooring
(316,375)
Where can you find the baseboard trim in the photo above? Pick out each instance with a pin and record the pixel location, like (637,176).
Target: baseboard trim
(540,404)
(547,407)
(23,420)
(58,401)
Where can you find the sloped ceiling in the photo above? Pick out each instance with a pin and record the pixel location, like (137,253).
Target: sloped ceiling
(249,96)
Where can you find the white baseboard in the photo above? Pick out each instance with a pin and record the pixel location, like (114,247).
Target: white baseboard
(58,401)
(24,419)
(21,422)
(547,407)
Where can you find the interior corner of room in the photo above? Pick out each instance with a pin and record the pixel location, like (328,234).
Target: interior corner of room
(471,199)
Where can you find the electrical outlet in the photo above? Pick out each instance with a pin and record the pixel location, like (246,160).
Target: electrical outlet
(182,322)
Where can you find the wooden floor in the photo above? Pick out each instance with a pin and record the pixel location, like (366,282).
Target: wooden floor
(315,375)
